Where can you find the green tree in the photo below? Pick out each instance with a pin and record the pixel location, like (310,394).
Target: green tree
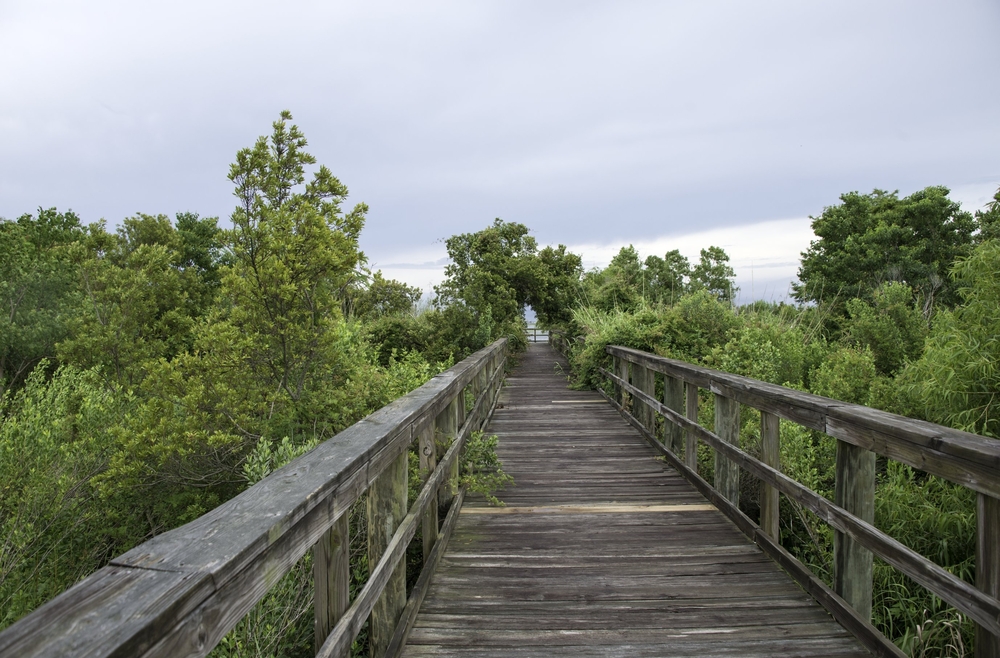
(988,220)
(889,325)
(490,278)
(714,274)
(667,276)
(380,297)
(556,286)
(36,289)
(135,304)
(870,239)
(956,381)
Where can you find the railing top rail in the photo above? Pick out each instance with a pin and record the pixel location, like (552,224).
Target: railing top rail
(171,594)
(961,457)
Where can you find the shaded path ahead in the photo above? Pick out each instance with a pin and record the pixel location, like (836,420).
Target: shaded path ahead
(603,550)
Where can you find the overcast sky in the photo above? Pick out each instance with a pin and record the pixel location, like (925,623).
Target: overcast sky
(597,124)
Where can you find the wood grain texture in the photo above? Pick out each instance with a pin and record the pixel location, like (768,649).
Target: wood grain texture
(727,428)
(770,454)
(854,491)
(673,397)
(331,577)
(602,550)
(179,593)
(988,567)
(386,504)
(967,459)
(980,606)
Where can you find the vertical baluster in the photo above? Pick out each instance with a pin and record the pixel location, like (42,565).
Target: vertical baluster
(428,461)
(854,490)
(691,439)
(987,566)
(770,455)
(645,382)
(446,428)
(386,509)
(331,577)
(727,427)
(673,397)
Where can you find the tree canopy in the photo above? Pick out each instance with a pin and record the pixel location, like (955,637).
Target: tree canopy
(870,239)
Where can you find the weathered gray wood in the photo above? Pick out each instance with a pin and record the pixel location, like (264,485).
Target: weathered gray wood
(331,577)
(979,606)
(967,459)
(862,628)
(420,587)
(623,372)
(646,382)
(428,462)
(179,593)
(386,509)
(350,623)
(727,428)
(854,491)
(445,427)
(691,439)
(550,574)
(673,397)
(770,454)
(616,367)
(988,567)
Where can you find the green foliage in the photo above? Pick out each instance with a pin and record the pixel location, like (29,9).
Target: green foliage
(481,469)
(36,290)
(846,374)
(870,239)
(714,274)
(56,436)
(889,325)
(383,297)
(956,380)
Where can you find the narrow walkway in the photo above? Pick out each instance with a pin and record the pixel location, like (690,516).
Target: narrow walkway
(602,550)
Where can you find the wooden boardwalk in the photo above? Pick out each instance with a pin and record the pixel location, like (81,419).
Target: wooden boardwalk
(603,550)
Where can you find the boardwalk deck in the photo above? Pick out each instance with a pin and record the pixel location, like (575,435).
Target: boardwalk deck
(603,550)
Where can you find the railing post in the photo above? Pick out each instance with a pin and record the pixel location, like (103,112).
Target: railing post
(386,509)
(428,461)
(727,428)
(691,439)
(645,382)
(854,490)
(623,369)
(987,566)
(770,454)
(447,427)
(616,367)
(331,577)
(673,398)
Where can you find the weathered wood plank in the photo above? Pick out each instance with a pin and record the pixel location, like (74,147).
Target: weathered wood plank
(331,577)
(988,567)
(854,491)
(967,459)
(770,449)
(981,607)
(602,543)
(386,509)
(673,397)
(727,428)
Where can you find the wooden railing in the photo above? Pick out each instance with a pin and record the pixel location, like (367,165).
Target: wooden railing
(537,334)
(181,592)
(862,433)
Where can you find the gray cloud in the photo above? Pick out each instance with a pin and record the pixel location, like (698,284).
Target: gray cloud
(587,121)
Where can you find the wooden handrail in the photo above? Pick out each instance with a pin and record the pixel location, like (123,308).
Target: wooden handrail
(967,459)
(181,592)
